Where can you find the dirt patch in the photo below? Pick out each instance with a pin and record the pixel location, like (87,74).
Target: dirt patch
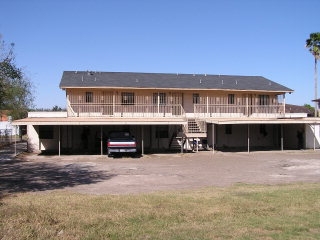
(103,175)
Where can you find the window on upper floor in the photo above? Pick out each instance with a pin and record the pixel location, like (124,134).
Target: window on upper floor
(89,97)
(196,98)
(264,100)
(230,98)
(127,98)
(162,98)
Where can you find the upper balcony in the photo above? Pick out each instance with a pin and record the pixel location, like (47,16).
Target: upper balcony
(236,111)
(168,104)
(126,111)
(201,111)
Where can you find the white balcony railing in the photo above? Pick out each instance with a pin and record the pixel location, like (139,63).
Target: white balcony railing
(119,110)
(225,110)
(173,110)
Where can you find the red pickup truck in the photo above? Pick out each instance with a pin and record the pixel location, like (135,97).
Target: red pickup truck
(120,142)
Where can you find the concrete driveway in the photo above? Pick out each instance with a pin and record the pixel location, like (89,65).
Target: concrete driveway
(158,172)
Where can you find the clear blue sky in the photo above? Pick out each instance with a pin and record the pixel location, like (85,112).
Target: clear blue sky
(232,37)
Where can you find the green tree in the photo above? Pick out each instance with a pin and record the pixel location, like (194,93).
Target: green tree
(57,109)
(16,91)
(311,109)
(313,44)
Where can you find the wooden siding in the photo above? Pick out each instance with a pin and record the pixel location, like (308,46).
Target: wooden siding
(166,103)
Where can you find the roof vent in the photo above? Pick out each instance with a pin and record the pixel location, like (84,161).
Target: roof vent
(236,82)
(200,80)
(222,81)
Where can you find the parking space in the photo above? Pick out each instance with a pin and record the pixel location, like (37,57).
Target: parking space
(158,172)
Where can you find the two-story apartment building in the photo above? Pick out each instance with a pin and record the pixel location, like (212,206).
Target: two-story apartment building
(171,112)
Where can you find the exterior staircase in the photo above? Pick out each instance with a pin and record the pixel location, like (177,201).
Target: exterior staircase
(194,129)
(175,144)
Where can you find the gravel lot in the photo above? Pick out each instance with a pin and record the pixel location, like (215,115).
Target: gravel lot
(158,172)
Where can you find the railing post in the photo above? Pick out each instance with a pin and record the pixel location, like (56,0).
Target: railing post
(284,104)
(247,105)
(113,103)
(207,105)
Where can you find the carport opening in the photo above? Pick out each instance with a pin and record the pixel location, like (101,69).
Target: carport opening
(92,139)
(259,137)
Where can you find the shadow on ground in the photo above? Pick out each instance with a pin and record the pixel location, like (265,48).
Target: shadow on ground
(22,176)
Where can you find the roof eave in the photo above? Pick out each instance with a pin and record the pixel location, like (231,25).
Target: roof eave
(189,89)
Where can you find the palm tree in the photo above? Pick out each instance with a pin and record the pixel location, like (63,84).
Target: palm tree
(313,43)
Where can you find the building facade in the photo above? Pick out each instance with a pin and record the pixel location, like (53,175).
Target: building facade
(171,112)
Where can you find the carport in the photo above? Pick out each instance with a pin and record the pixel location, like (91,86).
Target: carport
(64,134)
(60,133)
(286,133)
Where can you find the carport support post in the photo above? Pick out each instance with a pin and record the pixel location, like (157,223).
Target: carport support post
(181,144)
(281,137)
(212,138)
(248,138)
(101,141)
(314,137)
(15,143)
(59,140)
(142,141)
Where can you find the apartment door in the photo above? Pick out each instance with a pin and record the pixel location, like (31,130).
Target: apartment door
(107,103)
(176,102)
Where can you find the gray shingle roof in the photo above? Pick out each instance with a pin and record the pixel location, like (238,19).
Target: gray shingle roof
(290,108)
(76,79)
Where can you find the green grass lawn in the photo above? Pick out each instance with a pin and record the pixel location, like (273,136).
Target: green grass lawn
(238,212)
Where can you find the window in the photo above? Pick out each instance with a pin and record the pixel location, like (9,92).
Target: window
(263,99)
(230,98)
(45,132)
(127,98)
(162,98)
(196,98)
(228,129)
(155,99)
(89,97)
(162,131)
